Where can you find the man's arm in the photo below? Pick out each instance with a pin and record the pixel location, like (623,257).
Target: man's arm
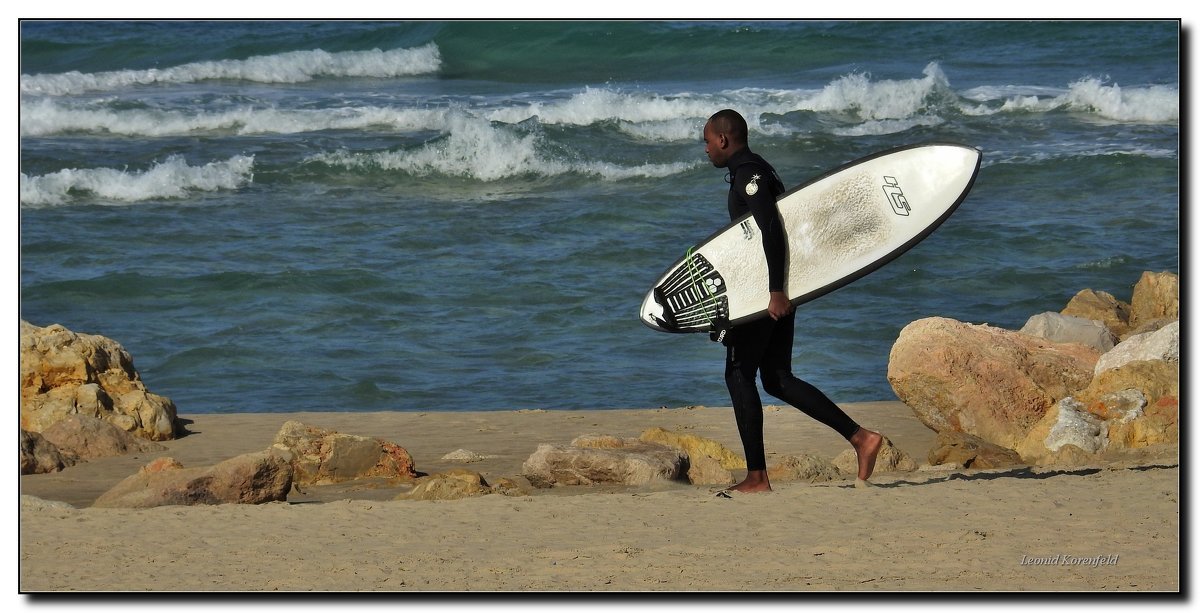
(754,183)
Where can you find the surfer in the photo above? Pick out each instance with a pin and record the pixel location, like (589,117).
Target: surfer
(764,347)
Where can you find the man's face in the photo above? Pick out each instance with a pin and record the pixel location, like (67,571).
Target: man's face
(716,146)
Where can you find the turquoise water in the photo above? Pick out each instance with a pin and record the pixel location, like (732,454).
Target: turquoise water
(365,216)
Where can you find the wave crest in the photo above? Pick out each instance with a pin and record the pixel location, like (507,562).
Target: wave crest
(290,67)
(172,178)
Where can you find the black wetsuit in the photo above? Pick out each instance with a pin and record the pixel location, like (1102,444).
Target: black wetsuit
(764,346)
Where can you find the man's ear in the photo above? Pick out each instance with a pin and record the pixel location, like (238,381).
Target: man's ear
(724,140)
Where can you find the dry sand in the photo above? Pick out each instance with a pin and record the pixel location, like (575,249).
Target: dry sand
(1000,530)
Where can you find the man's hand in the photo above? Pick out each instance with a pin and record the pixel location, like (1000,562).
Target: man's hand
(779,306)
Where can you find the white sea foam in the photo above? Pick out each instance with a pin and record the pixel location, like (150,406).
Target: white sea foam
(171,178)
(886,99)
(290,67)
(1150,104)
(50,116)
(476,149)
(596,105)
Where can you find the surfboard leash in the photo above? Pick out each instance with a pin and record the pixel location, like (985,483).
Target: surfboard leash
(697,280)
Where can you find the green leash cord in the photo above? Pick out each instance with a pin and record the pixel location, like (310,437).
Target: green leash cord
(694,272)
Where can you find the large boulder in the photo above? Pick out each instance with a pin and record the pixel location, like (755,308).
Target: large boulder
(1154,380)
(591,460)
(252,478)
(41,456)
(989,382)
(1059,328)
(64,373)
(1158,424)
(326,456)
(89,437)
(1162,344)
(1102,307)
(1155,298)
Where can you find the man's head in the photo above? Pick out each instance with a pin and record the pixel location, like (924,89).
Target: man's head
(724,135)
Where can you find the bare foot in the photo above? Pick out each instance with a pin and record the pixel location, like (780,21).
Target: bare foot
(866,444)
(755,481)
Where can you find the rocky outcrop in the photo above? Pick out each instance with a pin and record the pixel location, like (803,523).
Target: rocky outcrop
(321,456)
(64,373)
(1034,391)
(989,382)
(252,478)
(591,460)
(90,437)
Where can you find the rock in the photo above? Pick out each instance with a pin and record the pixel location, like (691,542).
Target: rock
(325,456)
(64,373)
(707,470)
(1074,425)
(90,437)
(989,382)
(890,460)
(1155,297)
(1102,307)
(451,485)
(1067,423)
(1154,379)
(1069,455)
(464,456)
(1059,328)
(1122,406)
(804,467)
(1157,425)
(968,451)
(507,487)
(41,456)
(1162,344)
(33,504)
(619,461)
(251,478)
(696,446)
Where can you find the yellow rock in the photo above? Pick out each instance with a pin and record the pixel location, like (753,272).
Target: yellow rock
(695,446)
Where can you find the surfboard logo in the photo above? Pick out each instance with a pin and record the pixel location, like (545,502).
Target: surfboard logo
(895,195)
(752,186)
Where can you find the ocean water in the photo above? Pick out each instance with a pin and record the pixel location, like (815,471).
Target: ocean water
(439,216)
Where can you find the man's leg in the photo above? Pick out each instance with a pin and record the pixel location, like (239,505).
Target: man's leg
(778,381)
(743,352)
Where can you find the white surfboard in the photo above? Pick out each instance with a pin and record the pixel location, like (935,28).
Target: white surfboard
(840,227)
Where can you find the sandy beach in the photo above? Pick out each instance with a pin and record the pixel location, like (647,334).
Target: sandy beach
(1113,526)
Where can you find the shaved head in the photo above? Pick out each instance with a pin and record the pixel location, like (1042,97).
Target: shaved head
(730,123)
(724,135)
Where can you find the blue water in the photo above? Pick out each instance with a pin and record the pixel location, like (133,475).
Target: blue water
(364,216)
